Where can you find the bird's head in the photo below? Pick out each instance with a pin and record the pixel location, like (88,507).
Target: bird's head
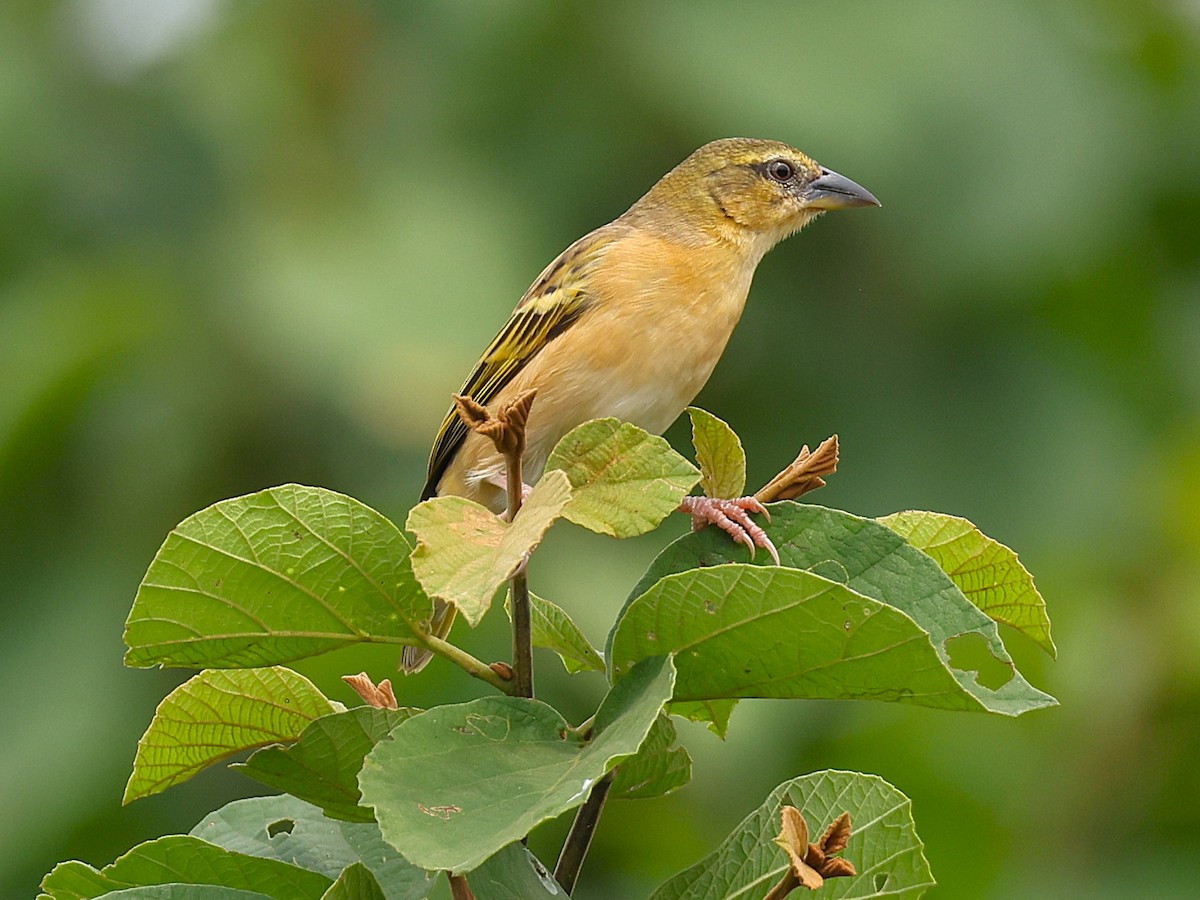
(749,190)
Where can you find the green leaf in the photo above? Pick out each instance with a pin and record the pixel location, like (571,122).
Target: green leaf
(183,859)
(465,552)
(322,766)
(720,455)
(271,577)
(874,561)
(883,847)
(715,712)
(739,630)
(75,880)
(291,830)
(355,883)
(456,783)
(184,892)
(986,571)
(218,713)
(553,629)
(658,767)
(624,480)
(513,874)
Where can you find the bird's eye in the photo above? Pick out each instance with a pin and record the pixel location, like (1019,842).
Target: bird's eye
(780,170)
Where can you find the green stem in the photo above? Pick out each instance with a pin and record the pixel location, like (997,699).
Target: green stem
(468,663)
(579,839)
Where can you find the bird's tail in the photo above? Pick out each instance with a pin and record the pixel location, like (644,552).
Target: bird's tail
(414,659)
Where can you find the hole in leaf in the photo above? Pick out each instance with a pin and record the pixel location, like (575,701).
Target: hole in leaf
(971,653)
(283,826)
(880,880)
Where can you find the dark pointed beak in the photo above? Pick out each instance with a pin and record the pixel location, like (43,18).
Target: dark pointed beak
(830,190)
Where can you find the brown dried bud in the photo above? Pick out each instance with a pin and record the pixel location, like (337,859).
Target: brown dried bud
(836,836)
(503,669)
(515,413)
(811,863)
(815,857)
(837,867)
(506,428)
(804,473)
(378,695)
(793,838)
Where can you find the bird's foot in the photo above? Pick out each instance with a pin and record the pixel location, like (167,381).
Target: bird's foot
(732,517)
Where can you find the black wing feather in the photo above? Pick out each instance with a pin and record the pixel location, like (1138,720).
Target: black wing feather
(549,309)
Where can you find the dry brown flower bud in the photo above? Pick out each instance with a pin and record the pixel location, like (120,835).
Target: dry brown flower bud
(803,474)
(379,695)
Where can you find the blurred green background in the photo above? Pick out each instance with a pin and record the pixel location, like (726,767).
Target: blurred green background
(249,243)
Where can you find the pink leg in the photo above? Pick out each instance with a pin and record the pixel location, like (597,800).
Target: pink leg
(732,517)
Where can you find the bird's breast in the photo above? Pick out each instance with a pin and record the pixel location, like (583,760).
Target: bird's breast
(660,319)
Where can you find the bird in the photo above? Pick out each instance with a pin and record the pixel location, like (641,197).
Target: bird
(630,320)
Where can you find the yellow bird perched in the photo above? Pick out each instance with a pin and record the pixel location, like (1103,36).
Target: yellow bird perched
(630,320)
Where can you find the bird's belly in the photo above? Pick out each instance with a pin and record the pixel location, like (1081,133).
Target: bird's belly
(649,395)
(646,382)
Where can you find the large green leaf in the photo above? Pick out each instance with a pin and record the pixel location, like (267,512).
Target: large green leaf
(271,577)
(75,880)
(184,892)
(552,629)
(720,455)
(465,552)
(216,714)
(883,847)
(874,561)
(453,785)
(291,830)
(986,571)
(624,480)
(322,766)
(184,859)
(659,767)
(738,630)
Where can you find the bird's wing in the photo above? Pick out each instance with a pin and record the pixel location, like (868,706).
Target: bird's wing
(555,302)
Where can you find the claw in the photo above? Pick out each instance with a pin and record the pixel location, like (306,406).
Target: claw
(732,517)
(755,506)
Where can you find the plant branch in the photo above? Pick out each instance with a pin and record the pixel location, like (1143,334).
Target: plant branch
(464,660)
(459,889)
(522,627)
(522,636)
(788,883)
(506,430)
(579,839)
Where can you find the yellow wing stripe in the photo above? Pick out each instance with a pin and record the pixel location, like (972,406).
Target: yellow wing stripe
(523,336)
